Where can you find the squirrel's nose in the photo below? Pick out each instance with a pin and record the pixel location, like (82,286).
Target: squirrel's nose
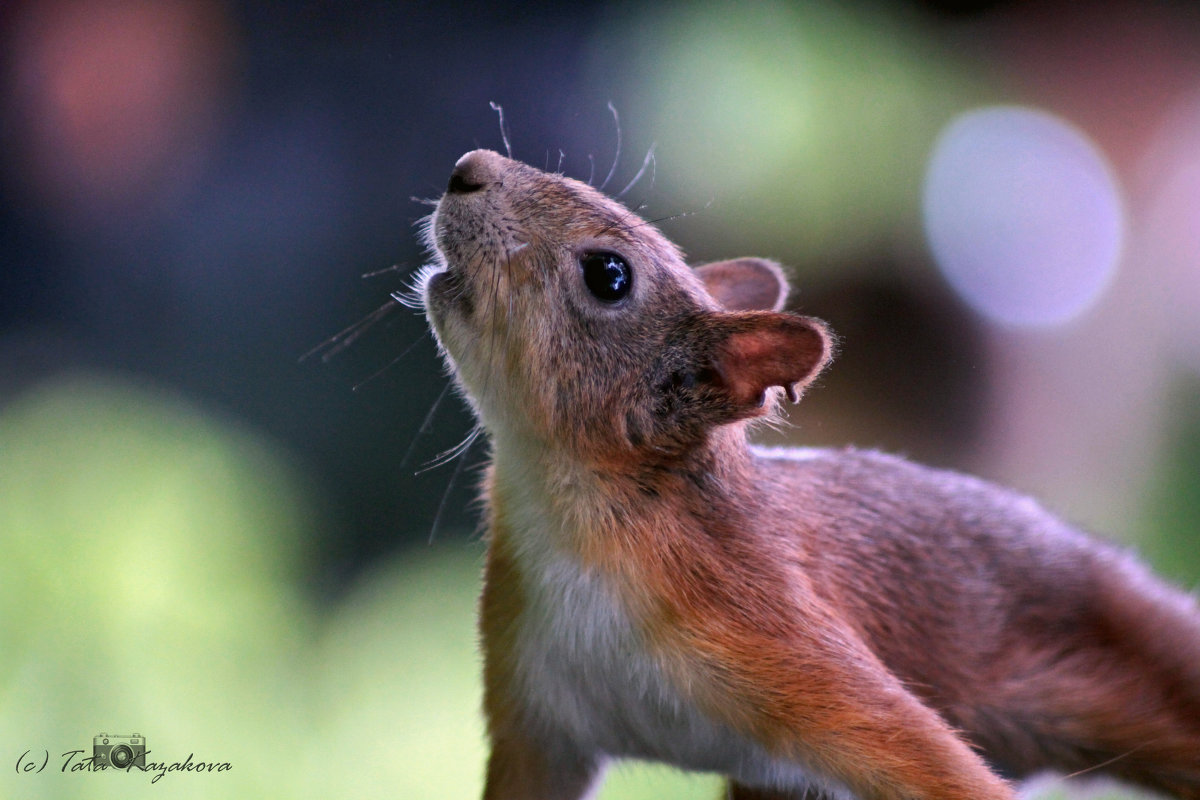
(473,171)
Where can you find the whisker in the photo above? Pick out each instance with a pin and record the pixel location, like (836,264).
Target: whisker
(448,455)
(630,221)
(426,232)
(616,156)
(390,364)
(629,228)
(458,468)
(591,170)
(647,162)
(413,294)
(503,130)
(683,214)
(348,335)
(384,271)
(1109,762)
(426,424)
(561,157)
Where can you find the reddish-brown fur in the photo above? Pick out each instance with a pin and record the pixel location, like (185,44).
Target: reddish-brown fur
(887,629)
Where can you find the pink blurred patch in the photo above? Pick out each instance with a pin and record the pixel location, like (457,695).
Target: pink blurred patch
(116,101)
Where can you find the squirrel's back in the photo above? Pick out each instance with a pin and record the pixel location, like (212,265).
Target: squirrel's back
(1026,634)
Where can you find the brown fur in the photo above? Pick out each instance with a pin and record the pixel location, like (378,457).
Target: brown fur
(882,627)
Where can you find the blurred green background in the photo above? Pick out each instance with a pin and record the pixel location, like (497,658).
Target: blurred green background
(207,541)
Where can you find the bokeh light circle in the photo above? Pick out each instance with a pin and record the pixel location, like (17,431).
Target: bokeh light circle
(1023,215)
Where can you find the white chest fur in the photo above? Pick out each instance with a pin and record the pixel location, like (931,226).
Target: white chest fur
(584,667)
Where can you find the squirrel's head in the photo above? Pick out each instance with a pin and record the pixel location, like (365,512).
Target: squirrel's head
(569,320)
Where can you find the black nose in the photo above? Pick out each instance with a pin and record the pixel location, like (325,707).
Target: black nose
(474,171)
(461,182)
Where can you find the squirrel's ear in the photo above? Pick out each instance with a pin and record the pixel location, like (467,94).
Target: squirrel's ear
(745,284)
(765,349)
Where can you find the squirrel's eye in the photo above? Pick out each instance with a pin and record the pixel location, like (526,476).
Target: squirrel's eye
(607,276)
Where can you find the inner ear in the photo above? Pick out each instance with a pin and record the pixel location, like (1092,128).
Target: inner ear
(745,284)
(759,350)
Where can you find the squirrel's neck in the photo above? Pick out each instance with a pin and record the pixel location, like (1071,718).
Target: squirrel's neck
(545,500)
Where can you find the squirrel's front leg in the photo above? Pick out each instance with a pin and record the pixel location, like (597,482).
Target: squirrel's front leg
(523,765)
(522,769)
(814,694)
(737,791)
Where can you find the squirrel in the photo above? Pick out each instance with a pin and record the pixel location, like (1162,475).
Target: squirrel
(806,622)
